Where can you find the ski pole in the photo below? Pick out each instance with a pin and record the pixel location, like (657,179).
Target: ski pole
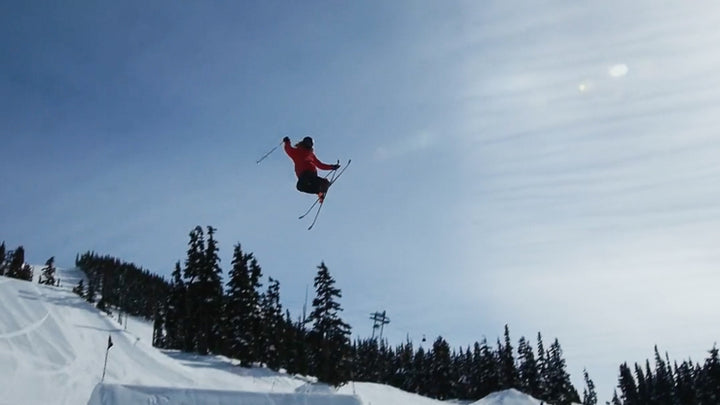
(333,172)
(268,154)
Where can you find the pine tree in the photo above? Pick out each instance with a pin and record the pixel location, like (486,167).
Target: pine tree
(649,381)
(175,312)
(462,364)
(404,372)
(272,324)
(476,384)
(662,393)
(16,262)
(79,289)
(195,255)
(329,333)
(3,261)
(107,294)
(628,387)
(256,316)
(487,369)
(643,388)
(508,371)
(48,272)
(384,362)
(542,363)
(422,380)
(213,286)
(26,272)
(709,379)
(589,394)
(158,339)
(561,390)
(194,263)
(242,307)
(91,293)
(440,370)
(365,360)
(204,291)
(296,357)
(685,380)
(528,369)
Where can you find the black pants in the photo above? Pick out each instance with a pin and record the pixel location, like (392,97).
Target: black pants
(311,183)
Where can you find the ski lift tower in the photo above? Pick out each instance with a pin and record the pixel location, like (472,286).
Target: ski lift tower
(379,321)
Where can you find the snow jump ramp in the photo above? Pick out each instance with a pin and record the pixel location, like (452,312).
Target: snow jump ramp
(114,394)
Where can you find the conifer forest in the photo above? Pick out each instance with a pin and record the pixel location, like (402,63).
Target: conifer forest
(240,315)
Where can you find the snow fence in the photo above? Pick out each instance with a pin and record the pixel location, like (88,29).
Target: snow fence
(113,394)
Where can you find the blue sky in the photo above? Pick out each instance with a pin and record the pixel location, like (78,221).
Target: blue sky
(549,165)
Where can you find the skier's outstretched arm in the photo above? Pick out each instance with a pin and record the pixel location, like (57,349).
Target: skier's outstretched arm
(287,146)
(324,166)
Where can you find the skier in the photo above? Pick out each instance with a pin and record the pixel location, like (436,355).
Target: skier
(306,165)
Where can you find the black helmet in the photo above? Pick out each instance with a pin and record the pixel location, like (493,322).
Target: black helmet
(307,142)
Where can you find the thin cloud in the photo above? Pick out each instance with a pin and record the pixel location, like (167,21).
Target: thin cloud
(588,182)
(411,144)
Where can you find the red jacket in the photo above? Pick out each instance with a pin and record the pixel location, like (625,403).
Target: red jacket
(305,160)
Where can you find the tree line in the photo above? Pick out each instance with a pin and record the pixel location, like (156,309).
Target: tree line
(670,383)
(470,373)
(114,283)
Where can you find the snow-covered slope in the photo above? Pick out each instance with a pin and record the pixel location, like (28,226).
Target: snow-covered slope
(383,394)
(109,394)
(508,397)
(53,345)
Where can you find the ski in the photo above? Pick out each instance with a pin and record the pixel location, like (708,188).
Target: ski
(316,217)
(309,209)
(333,179)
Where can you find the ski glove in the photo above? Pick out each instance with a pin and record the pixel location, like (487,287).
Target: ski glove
(286,139)
(336,166)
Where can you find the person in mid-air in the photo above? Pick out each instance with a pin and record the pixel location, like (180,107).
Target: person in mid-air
(306,165)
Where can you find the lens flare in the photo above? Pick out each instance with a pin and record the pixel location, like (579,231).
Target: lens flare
(618,70)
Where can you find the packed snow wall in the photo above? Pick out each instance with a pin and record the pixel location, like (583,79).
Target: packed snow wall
(113,394)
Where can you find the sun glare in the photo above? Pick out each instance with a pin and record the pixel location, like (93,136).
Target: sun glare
(618,70)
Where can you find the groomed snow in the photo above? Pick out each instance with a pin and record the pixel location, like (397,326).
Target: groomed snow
(110,394)
(508,397)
